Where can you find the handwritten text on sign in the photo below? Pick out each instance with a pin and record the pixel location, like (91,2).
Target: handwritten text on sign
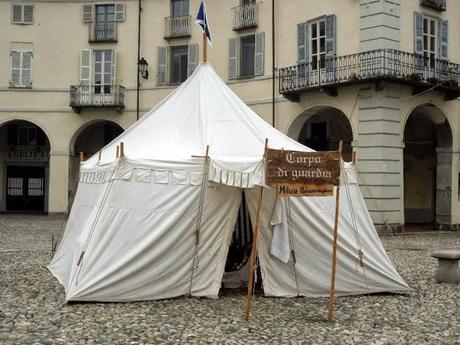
(303,173)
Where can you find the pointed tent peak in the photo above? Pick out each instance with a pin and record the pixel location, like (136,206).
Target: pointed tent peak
(202,111)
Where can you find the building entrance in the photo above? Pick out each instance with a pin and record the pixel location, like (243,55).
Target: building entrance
(25,188)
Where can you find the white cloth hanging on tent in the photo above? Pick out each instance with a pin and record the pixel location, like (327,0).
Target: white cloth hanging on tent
(280,239)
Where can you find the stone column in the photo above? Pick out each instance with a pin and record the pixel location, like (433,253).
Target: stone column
(380,154)
(58,182)
(379,24)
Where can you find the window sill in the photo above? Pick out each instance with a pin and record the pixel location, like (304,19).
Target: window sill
(18,87)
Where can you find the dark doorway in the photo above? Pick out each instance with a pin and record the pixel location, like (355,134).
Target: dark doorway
(25,186)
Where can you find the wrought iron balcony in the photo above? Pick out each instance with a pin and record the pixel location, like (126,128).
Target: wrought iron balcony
(177,26)
(103,32)
(375,65)
(439,5)
(245,16)
(97,96)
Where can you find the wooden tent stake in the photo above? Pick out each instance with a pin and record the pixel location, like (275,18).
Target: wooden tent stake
(205,48)
(254,247)
(122,149)
(330,313)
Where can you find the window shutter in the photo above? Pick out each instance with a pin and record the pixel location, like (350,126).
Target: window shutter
(418,41)
(120,12)
(162,66)
(26,78)
(28,14)
(85,67)
(259,53)
(15,68)
(330,36)
(16,14)
(302,43)
(192,58)
(233,57)
(443,39)
(114,67)
(88,11)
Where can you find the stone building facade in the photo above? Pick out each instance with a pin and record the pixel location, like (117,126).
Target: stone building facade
(381,75)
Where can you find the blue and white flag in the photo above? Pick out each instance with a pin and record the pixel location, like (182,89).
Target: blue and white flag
(202,21)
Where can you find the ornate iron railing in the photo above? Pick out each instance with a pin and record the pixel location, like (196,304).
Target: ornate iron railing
(97,96)
(377,64)
(439,5)
(177,26)
(103,32)
(245,16)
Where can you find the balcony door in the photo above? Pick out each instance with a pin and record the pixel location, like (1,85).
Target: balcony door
(318,51)
(105,22)
(103,76)
(179,8)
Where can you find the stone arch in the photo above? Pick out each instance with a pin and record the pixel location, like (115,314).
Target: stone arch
(428,140)
(321,128)
(24,166)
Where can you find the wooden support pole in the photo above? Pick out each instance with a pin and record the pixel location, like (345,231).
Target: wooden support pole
(205,48)
(330,313)
(122,149)
(252,261)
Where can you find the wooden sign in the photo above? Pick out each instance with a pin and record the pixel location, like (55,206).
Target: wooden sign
(297,173)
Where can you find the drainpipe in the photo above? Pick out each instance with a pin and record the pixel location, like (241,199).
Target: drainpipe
(273,65)
(138,56)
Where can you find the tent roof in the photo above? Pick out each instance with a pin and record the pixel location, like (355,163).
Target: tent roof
(202,111)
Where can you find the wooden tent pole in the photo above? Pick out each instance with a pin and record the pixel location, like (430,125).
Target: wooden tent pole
(99,156)
(122,149)
(254,247)
(353,157)
(205,48)
(82,156)
(118,152)
(330,313)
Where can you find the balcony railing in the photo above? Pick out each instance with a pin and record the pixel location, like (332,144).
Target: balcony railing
(97,96)
(386,64)
(245,16)
(177,26)
(439,5)
(103,32)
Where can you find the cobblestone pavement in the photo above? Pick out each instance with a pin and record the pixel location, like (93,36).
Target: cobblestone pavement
(32,309)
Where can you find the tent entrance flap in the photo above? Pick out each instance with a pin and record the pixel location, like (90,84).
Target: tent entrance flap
(239,249)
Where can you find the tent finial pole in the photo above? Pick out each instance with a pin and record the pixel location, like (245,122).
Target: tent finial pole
(118,152)
(254,247)
(122,149)
(330,313)
(205,48)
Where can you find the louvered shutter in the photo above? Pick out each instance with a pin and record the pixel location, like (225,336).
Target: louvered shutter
(259,53)
(192,58)
(418,42)
(120,10)
(441,62)
(162,66)
(114,68)
(85,67)
(302,54)
(26,75)
(15,68)
(16,16)
(330,47)
(88,13)
(28,14)
(233,58)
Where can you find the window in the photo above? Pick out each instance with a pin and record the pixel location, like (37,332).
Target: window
(176,63)
(246,56)
(318,44)
(21,69)
(22,14)
(179,8)
(247,2)
(105,22)
(179,61)
(97,68)
(25,135)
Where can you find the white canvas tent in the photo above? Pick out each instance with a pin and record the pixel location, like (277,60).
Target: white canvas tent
(131,234)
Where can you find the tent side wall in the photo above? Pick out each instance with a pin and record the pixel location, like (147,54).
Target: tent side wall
(143,244)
